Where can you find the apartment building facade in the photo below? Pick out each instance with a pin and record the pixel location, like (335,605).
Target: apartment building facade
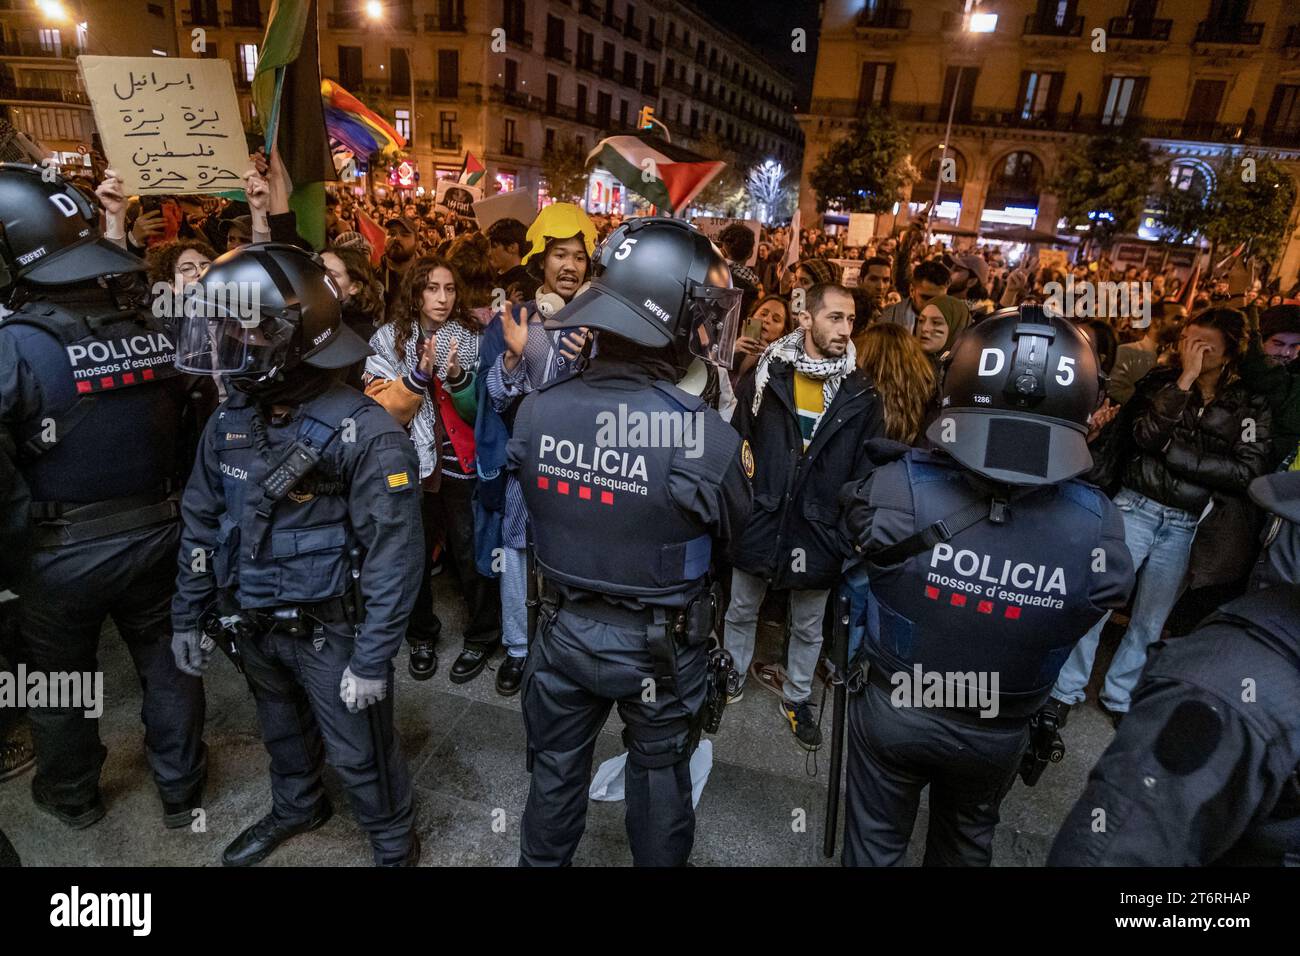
(1198,79)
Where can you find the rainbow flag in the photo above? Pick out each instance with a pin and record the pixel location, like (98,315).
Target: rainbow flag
(355,125)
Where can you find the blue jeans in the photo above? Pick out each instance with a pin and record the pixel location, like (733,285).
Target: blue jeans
(1160,541)
(514,601)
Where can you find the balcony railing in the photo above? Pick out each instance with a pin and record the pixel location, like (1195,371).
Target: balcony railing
(523,38)
(1242,34)
(251,19)
(1038,26)
(1131,28)
(201,18)
(451,144)
(887,19)
(649,87)
(563,54)
(433,23)
(512,149)
(1061,122)
(589,9)
(14,47)
(43,94)
(632,32)
(654,43)
(613,21)
(588,64)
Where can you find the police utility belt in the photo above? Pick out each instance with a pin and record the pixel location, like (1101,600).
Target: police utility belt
(666,628)
(57,524)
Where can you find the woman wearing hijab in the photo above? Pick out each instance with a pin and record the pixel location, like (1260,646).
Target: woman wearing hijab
(939,324)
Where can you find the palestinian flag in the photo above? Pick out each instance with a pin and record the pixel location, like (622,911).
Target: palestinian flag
(374,234)
(675,175)
(471,171)
(287,95)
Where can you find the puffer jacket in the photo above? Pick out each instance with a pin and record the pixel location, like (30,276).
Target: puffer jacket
(1185,453)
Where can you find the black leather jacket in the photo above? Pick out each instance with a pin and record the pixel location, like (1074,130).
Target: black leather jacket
(1184,452)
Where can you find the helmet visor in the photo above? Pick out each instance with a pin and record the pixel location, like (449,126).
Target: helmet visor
(213,344)
(715,320)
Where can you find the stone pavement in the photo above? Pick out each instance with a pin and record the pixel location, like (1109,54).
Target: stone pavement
(466,749)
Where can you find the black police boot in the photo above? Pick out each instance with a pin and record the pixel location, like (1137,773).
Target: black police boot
(469,665)
(412,857)
(265,836)
(180,813)
(509,675)
(16,757)
(424,660)
(76,815)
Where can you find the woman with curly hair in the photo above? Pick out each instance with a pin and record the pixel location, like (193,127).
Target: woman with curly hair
(903,375)
(178,263)
(423,372)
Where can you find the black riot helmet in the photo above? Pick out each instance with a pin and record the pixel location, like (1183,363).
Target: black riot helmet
(49,232)
(1019,389)
(262,310)
(661,284)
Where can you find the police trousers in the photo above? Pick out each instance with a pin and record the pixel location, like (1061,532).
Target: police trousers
(894,752)
(65,597)
(295,680)
(577,669)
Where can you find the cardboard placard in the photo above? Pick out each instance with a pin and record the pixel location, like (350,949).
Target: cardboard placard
(850,271)
(712,227)
(459,198)
(518,204)
(1057,259)
(862,227)
(168,125)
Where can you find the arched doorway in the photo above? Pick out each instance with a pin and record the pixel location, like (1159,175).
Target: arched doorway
(950,175)
(1015,181)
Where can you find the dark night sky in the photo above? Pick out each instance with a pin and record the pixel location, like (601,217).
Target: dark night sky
(766,24)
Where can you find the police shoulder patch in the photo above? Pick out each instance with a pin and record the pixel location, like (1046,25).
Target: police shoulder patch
(747,458)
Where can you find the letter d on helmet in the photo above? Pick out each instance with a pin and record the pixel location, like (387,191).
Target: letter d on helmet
(1020,387)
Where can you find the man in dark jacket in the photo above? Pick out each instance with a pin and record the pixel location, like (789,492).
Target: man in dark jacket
(807,414)
(1273,370)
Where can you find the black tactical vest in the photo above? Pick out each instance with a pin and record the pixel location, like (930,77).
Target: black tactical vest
(596,485)
(302,556)
(110,421)
(1008,600)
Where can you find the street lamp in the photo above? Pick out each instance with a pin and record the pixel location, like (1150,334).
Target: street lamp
(970,23)
(53,9)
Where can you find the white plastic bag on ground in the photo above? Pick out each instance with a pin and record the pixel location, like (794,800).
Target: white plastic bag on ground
(607,783)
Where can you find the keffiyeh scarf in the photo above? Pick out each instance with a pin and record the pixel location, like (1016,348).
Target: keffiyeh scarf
(789,349)
(386,363)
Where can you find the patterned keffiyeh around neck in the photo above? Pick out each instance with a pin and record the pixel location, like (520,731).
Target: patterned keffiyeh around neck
(789,349)
(385,363)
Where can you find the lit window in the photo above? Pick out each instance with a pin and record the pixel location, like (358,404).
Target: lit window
(402,123)
(248,61)
(51,42)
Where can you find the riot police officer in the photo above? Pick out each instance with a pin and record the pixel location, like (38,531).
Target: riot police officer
(100,427)
(986,564)
(625,523)
(1205,768)
(301,544)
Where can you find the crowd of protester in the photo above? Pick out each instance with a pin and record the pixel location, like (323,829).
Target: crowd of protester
(1198,401)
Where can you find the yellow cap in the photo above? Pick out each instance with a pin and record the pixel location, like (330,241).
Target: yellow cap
(560,220)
